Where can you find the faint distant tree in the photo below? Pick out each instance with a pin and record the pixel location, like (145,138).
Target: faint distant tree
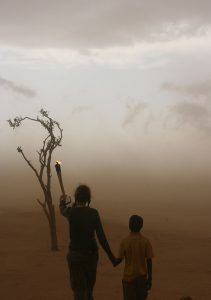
(43,172)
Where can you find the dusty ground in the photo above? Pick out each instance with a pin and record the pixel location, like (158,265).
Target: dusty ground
(181,238)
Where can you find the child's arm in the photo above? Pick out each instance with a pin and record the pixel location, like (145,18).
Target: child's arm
(149,256)
(149,271)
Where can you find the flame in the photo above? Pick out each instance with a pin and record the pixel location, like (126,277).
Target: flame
(58,162)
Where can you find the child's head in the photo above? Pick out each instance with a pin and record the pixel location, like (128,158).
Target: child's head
(135,223)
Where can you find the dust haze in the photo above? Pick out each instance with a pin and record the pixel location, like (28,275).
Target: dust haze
(162,174)
(176,211)
(126,183)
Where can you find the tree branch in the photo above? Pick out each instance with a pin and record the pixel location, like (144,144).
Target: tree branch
(50,142)
(48,146)
(43,205)
(19,149)
(43,154)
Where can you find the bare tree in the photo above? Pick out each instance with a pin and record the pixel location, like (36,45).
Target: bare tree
(43,173)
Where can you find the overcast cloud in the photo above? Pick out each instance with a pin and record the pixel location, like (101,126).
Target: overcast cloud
(192,114)
(195,89)
(82,108)
(16,88)
(84,24)
(134,109)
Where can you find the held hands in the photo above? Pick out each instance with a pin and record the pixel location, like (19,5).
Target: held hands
(116,261)
(149,284)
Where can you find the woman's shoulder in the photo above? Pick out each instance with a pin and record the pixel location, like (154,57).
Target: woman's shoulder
(93,210)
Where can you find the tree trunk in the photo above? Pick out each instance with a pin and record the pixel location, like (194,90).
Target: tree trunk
(49,211)
(52,227)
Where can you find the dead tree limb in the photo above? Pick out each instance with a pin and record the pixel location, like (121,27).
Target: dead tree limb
(49,144)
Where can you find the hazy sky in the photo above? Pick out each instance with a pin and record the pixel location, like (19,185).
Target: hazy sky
(129,81)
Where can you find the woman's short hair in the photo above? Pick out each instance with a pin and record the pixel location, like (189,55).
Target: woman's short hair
(82,194)
(135,223)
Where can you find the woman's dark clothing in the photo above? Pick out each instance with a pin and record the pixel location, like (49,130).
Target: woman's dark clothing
(82,269)
(82,257)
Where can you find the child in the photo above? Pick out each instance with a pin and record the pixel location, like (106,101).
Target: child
(137,252)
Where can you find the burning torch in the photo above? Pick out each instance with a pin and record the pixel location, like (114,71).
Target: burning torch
(59,174)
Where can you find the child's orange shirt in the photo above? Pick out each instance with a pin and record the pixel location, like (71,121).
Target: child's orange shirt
(135,249)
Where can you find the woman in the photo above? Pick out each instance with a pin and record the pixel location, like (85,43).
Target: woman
(82,256)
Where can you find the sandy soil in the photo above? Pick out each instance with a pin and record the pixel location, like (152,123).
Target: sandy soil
(181,240)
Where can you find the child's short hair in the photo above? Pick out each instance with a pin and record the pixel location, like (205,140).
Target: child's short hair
(135,223)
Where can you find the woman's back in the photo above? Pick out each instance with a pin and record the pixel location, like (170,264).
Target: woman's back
(83,222)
